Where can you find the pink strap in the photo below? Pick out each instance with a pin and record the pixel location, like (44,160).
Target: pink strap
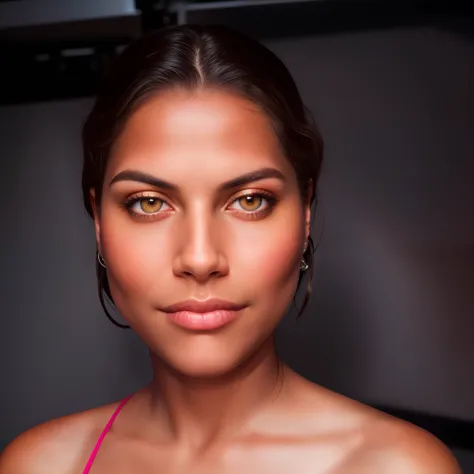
(104,432)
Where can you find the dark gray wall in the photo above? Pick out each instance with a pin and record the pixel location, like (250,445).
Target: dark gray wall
(391,318)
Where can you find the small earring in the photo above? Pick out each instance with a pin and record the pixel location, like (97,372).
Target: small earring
(101,260)
(303,265)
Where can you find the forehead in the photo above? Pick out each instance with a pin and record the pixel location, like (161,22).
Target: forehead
(202,132)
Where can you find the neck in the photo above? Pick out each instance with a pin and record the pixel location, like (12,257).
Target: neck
(200,412)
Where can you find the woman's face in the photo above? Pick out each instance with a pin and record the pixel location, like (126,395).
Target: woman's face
(199,203)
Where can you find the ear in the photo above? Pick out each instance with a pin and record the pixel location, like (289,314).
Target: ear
(95,210)
(307,209)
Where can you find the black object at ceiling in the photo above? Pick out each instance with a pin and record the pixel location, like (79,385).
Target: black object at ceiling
(70,66)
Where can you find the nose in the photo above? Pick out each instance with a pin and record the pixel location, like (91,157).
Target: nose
(199,257)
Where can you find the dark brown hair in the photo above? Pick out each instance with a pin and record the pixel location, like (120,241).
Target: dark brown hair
(192,57)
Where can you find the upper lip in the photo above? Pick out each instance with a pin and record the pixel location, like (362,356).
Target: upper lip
(195,306)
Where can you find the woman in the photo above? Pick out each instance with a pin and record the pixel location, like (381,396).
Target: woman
(200,170)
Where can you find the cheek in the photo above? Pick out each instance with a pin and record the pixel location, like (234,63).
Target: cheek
(136,255)
(276,263)
(269,257)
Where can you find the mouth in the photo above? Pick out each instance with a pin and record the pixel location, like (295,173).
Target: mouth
(203,315)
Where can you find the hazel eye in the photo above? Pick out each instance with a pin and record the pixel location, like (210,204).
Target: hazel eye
(146,206)
(151,205)
(251,202)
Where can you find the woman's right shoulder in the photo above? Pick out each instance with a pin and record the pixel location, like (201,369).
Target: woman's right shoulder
(62,445)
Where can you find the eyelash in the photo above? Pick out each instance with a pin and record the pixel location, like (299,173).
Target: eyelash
(265,196)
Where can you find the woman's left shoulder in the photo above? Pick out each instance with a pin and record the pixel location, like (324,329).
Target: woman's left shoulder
(382,443)
(393,446)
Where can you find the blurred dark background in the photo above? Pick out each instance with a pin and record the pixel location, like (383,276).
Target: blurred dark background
(391,319)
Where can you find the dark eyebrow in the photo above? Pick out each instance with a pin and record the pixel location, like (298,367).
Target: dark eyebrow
(257,175)
(140,177)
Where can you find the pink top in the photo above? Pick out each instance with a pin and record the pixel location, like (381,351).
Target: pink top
(102,436)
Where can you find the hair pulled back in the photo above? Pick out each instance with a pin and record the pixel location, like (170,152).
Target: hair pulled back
(195,57)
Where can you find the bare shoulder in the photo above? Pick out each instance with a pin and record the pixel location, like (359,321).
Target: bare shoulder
(395,446)
(379,442)
(58,446)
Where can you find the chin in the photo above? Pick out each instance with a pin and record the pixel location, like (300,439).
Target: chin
(204,371)
(205,362)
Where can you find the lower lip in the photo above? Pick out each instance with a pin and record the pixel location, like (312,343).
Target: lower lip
(203,321)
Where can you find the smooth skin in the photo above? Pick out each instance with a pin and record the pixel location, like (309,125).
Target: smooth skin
(220,401)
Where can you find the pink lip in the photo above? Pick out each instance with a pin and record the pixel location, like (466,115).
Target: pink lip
(203,315)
